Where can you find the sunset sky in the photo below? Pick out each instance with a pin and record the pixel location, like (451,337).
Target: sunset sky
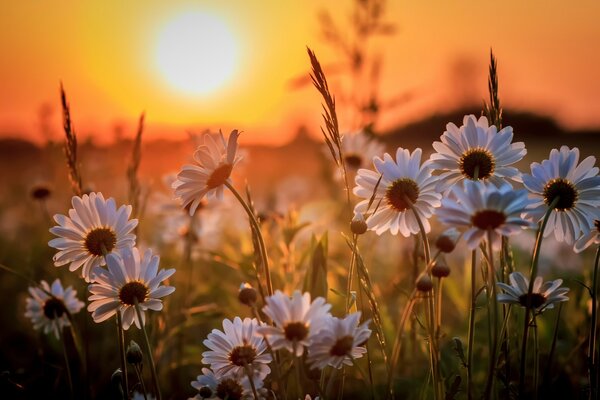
(115,61)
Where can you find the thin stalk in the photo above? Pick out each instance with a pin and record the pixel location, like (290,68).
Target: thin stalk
(251,379)
(593,367)
(138,372)
(278,375)
(536,359)
(438,303)
(532,276)
(471,334)
(257,231)
(493,306)
(433,350)
(66,356)
(121,337)
(148,350)
(398,341)
(297,366)
(330,382)
(351,271)
(546,379)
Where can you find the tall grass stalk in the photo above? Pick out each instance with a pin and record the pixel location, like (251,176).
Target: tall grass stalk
(70,145)
(591,354)
(132,171)
(148,350)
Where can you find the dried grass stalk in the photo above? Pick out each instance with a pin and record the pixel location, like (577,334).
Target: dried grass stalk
(132,170)
(70,146)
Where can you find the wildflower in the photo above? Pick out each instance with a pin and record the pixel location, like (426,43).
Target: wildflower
(236,348)
(341,341)
(574,188)
(543,296)
(93,228)
(476,151)
(404,184)
(215,160)
(296,320)
(591,237)
(50,312)
(211,386)
(482,207)
(128,279)
(359,149)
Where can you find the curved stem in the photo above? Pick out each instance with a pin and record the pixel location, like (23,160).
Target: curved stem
(138,312)
(593,373)
(426,249)
(257,231)
(471,334)
(121,337)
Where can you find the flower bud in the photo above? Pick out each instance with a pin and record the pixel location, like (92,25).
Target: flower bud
(358,225)
(440,270)
(116,379)
(134,353)
(424,283)
(247,294)
(446,242)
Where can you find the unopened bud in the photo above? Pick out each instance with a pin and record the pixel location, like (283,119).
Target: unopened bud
(446,242)
(440,270)
(116,379)
(358,225)
(424,283)
(247,295)
(134,353)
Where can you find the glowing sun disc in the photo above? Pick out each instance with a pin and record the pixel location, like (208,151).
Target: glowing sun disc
(196,53)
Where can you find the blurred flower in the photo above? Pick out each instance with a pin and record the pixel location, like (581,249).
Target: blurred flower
(296,320)
(359,149)
(482,207)
(591,237)
(543,296)
(577,188)
(473,148)
(40,192)
(236,347)
(127,279)
(405,183)
(50,312)
(215,160)
(211,386)
(140,396)
(93,228)
(339,342)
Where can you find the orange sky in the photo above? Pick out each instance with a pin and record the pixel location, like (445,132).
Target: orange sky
(105,53)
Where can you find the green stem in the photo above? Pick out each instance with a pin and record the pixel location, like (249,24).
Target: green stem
(493,307)
(471,334)
(256,227)
(121,338)
(148,350)
(298,366)
(251,379)
(546,378)
(351,271)
(593,331)
(532,276)
(536,359)
(140,376)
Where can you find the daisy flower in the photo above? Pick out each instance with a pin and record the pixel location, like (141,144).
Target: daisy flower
(481,207)
(543,296)
(341,341)
(50,312)
(211,386)
(575,189)
(405,183)
(93,228)
(359,149)
(128,278)
(589,238)
(296,320)
(215,160)
(236,347)
(476,149)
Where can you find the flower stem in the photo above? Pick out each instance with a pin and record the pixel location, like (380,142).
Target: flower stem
(256,228)
(298,366)
(593,367)
(493,307)
(122,352)
(471,334)
(536,359)
(66,356)
(251,379)
(140,376)
(351,272)
(148,350)
(532,276)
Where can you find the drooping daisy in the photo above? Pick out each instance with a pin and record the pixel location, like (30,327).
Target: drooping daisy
(405,183)
(236,347)
(359,149)
(574,188)
(211,386)
(93,228)
(476,151)
(341,341)
(128,278)
(543,296)
(481,207)
(589,238)
(215,160)
(296,320)
(50,312)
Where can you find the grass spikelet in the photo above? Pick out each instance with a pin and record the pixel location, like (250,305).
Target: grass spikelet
(493,110)
(70,145)
(132,169)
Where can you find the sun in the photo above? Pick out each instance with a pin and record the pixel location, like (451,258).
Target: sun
(196,53)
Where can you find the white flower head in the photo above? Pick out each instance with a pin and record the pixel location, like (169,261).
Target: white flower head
(404,184)
(359,149)
(94,227)
(341,341)
(587,239)
(543,296)
(296,320)
(50,312)
(140,396)
(573,188)
(127,279)
(481,207)
(236,348)
(215,160)
(211,386)
(476,151)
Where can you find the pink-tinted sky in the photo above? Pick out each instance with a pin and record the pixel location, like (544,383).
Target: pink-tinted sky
(106,53)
